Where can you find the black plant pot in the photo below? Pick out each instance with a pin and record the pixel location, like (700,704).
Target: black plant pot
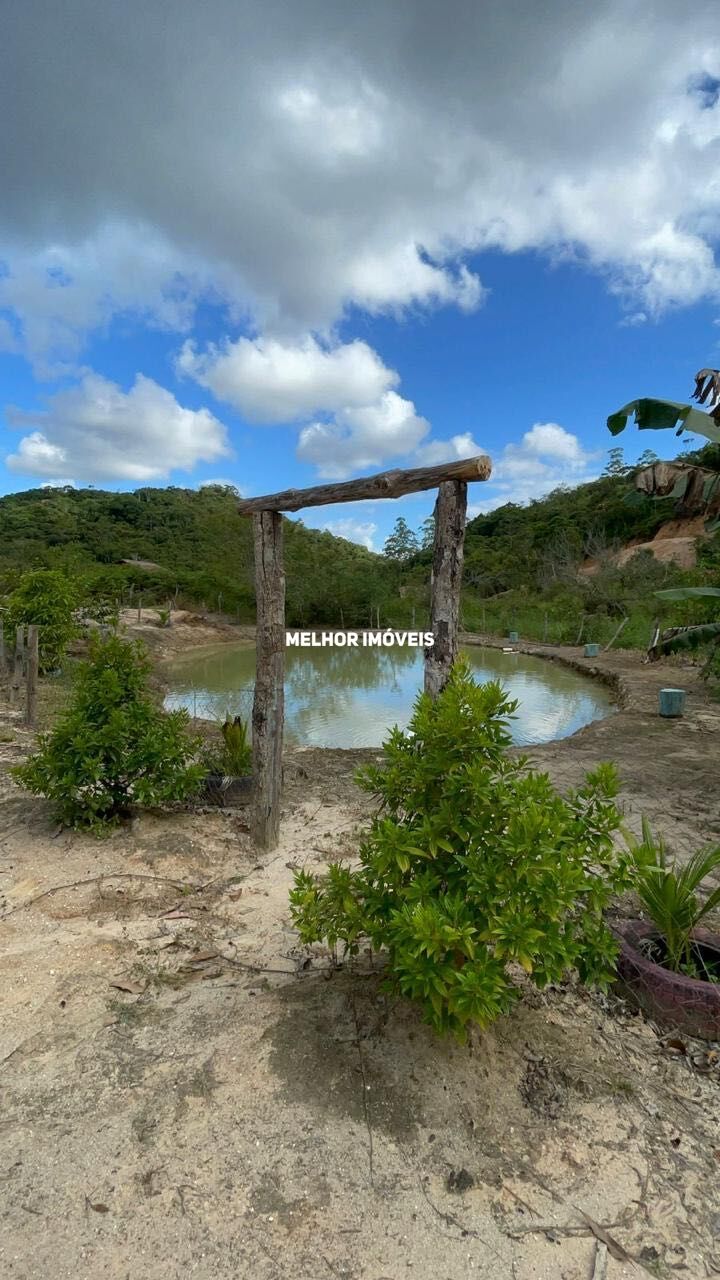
(687,1004)
(228,791)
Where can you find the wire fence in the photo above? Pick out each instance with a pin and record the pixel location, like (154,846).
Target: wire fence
(205,704)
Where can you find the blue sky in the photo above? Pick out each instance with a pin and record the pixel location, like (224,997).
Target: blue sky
(396,249)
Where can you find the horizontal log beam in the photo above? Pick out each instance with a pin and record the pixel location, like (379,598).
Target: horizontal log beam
(388,484)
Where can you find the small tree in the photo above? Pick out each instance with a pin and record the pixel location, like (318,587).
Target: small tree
(402,543)
(474,864)
(48,598)
(427,533)
(616,464)
(114,749)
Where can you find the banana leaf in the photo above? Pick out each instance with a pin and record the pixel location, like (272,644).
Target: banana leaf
(687,593)
(684,639)
(659,415)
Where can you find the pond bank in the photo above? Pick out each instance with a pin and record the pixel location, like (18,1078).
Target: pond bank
(219,1103)
(666,766)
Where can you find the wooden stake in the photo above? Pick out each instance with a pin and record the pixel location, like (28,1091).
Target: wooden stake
(18,668)
(450,512)
(617,633)
(268,703)
(31,676)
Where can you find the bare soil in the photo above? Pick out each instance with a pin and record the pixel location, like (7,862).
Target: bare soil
(187,1092)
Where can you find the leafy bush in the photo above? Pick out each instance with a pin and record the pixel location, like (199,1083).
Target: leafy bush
(474,864)
(102,609)
(48,598)
(234,758)
(114,749)
(668,894)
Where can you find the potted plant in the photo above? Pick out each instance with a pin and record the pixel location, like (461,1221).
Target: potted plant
(669,964)
(229,765)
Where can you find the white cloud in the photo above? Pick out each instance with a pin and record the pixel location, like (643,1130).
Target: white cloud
(59,293)
(296,165)
(273,381)
(547,457)
(97,431)
(361,438)
(436,452)
(362,531)
(548,440)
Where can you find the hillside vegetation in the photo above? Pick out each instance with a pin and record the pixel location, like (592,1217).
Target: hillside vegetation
(201,547)
(524,565)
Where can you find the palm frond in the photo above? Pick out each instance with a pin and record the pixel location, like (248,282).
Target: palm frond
(702,864)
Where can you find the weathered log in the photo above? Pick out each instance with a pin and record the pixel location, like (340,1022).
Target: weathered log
(450,511)
(31,676)
(268,703)
(388,484)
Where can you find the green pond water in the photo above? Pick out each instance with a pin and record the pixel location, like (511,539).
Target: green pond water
(351,697)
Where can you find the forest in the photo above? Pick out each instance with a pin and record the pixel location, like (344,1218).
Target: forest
(523,564)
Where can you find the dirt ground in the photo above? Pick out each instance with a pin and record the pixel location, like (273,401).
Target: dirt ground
(187,1092)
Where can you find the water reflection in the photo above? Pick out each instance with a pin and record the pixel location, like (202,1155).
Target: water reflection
(351,697)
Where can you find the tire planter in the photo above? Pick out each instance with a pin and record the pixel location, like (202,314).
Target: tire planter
(228,791)
(686,1004)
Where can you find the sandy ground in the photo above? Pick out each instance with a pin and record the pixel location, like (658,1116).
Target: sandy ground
(187,1092)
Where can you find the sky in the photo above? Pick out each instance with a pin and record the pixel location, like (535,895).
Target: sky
(271,245)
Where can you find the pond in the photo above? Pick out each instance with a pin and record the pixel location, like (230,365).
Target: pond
(351,697)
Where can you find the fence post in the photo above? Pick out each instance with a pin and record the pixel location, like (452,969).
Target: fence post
(31,676)
(18,666)
(617,633)
(2,647)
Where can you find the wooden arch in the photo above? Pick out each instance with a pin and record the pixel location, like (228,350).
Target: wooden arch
(451,480)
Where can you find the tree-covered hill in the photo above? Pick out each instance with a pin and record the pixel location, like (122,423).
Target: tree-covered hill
(202,546)
(522,563)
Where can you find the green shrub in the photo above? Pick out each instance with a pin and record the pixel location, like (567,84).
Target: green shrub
(105,610)
(114,750)
(474,864)
(48,598)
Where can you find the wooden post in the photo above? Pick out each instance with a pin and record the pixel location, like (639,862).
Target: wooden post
(18,668)
(2,648)
(31,676)
(269,700)
(450,512)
